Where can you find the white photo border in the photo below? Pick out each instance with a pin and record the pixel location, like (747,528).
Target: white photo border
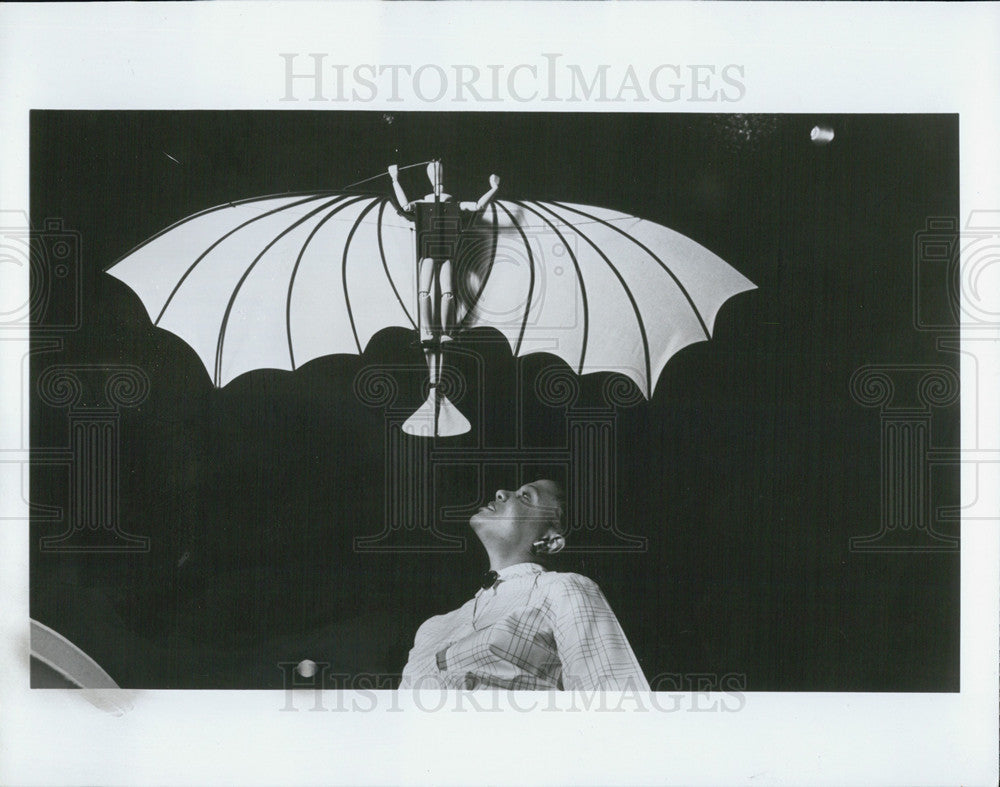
(795,57)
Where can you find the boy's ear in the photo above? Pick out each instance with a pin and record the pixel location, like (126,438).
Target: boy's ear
(555,543)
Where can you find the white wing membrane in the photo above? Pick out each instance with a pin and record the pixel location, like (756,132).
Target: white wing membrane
(261,284)
(278,281)
(154,269)
(603,290)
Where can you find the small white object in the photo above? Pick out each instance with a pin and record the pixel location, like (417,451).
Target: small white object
(306,668)
(449,421)
(821,135)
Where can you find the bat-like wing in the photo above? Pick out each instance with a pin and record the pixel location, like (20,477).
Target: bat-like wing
(274,282)
(603,290)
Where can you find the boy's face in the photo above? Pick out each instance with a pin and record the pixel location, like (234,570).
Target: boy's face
(522,516)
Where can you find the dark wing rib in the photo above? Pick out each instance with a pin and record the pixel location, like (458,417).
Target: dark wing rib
(257,281)
(243,278)
(475,264)
(640,293)
(652,255)
(209,249)
(531,279)
(290,195)
(385,265)
(347,294)
(579,277)
(294,274)
(636,315)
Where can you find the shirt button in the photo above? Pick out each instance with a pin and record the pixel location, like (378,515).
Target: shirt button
(471,681)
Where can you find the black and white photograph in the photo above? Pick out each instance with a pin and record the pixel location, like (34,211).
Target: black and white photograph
(407,421)
(679,324)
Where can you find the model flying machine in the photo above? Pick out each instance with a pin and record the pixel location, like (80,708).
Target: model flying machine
(274,282)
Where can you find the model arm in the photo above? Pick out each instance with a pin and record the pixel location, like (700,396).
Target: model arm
(592,647)
(404,203)
(485,199)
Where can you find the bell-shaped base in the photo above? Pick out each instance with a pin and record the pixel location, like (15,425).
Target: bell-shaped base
(437,417)
(450,421)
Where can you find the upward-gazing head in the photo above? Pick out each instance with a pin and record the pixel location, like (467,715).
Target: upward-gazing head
(514,521)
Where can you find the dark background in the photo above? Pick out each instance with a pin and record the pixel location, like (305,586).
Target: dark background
(748,472)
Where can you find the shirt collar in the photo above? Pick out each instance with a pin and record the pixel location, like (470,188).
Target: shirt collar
(519,570)
(513,572)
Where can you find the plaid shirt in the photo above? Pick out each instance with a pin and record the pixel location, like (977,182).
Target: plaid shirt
(534,629)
